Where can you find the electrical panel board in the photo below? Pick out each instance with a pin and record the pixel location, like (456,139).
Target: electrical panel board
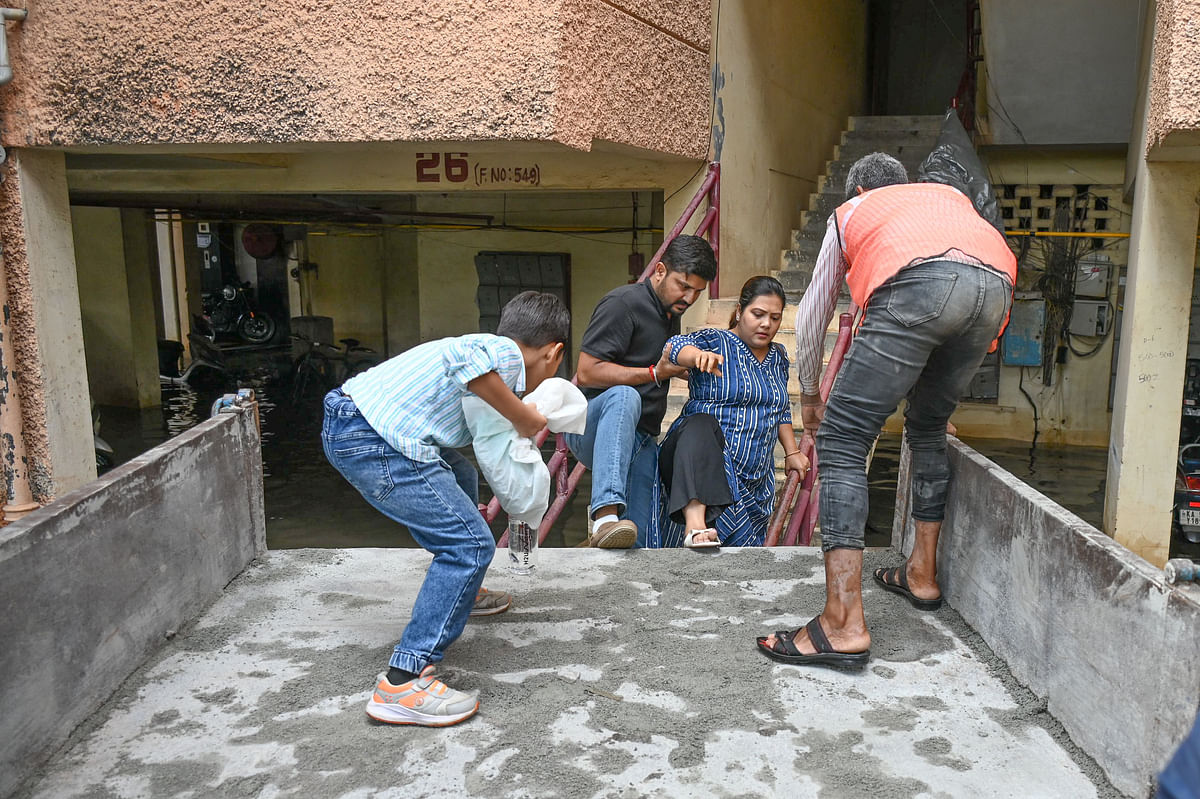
(1092,276)
(1090,318)
(1022,344)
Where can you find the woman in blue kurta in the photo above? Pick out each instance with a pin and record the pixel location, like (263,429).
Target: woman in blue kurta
(717,473)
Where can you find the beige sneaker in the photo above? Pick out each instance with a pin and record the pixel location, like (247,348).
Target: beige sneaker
(489,603)
(621,534)
(425,701)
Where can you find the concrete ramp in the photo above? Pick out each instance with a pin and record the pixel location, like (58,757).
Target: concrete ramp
(615,674)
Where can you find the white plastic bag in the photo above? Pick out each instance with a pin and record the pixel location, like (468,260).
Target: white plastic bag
(510,463)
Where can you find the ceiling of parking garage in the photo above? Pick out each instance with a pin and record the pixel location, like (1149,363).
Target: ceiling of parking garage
(527,210)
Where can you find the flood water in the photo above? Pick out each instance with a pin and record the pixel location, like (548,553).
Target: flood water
(308,504)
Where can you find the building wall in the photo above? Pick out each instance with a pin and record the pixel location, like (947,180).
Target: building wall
(1062,73)
(349,285)
(427,277)
(1074,408)
(148,72)
(788,75)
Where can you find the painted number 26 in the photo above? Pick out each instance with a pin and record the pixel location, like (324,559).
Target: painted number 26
(454,167)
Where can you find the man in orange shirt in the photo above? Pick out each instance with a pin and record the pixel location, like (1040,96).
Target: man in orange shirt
(935,280)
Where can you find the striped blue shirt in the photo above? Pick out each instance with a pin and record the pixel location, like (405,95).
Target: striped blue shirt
(414,400)
(750,401)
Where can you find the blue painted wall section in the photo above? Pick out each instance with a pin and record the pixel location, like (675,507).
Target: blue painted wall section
(1023,337)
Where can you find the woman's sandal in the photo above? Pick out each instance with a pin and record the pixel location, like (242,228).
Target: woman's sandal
(896,581)
(690,541)
(784,649)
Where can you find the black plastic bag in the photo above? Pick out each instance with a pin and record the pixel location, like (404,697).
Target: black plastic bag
(954,162)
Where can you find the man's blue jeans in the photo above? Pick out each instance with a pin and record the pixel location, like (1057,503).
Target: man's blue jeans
(438,502)
(924,335)
(623,460)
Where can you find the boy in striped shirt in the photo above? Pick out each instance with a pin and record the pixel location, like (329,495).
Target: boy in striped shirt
(393,432)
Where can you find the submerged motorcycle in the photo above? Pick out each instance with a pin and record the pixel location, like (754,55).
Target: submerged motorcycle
(231,312)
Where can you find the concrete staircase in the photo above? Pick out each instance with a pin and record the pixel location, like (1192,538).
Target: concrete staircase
(908,138)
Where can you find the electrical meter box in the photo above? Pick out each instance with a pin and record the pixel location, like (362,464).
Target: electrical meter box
(1023,336)
(1092,276)
(1090,318)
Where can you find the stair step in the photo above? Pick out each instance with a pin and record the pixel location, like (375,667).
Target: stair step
(719,312)
(908,138)
(795,271)
(903,151)
(925,122)
(895,138)
(834,179)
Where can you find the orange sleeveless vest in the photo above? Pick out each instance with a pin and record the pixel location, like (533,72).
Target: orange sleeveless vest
(884,230)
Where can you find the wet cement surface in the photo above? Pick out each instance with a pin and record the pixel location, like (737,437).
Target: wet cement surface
(615,674)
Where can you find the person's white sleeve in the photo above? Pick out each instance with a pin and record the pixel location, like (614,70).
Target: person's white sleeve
(816,309)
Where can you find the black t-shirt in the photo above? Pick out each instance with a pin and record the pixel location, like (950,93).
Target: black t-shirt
(630,327)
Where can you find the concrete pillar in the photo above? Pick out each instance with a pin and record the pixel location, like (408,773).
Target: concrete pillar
(402,290)
(35,226)
(141,264)
(1152,358)
(114,258)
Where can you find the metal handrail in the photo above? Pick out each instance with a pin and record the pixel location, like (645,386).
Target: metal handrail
(803,518)
(565,478)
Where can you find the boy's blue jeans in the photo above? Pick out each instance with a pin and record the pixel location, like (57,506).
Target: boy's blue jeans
(623,460)
(438,503)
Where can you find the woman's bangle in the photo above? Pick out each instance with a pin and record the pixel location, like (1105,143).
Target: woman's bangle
(654,375)
(790,454)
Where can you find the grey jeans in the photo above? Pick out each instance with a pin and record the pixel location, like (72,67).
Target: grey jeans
(924,335)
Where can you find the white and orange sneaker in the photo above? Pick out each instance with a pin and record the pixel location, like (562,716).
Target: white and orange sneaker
(425,701)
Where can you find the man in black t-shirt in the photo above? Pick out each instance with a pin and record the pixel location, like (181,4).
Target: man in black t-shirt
(624,374)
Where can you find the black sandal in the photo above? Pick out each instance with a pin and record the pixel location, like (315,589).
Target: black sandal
(896,581)
(785,651)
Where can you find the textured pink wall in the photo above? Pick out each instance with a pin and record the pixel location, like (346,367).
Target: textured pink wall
(1174,97)
(659,82)
(96,72)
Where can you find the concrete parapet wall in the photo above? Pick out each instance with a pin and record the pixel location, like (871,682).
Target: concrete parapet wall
(1087,625)
(93,582)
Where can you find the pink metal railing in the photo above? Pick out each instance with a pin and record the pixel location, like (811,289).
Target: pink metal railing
(566,479)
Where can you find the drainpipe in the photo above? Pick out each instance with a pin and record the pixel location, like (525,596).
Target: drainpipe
(6,14)
(14,467)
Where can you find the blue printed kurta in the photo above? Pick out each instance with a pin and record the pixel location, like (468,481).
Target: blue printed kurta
(750,402)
